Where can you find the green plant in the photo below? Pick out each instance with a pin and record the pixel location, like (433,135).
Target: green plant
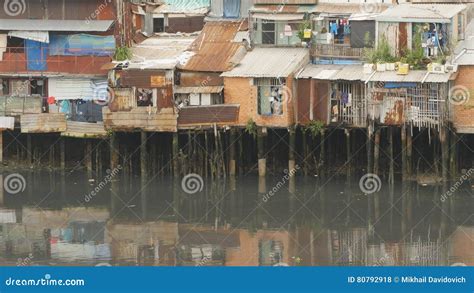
(251,128)
(383,53)
(416,56)
(122,54)
(314,127)
(302,27)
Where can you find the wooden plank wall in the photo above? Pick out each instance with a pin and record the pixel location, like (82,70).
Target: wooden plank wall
(142,119)
(43,123)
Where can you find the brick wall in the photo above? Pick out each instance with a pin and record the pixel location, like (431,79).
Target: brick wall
(241,91)
(464,114)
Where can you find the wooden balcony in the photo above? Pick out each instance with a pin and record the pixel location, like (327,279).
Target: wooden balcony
(336,51)
(141,119)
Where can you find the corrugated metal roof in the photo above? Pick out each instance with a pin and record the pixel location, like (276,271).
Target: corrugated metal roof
(421,13)
(412,76)
(347,8)
(198,90)
(270,62)
(161,52)
(184,6)
(55,25)
(278,16)
(333,72)
(279,8)
(214,48)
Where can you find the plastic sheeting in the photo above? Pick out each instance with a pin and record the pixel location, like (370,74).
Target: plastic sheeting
(38,36)
(81,45)
(231,8)
(36,53)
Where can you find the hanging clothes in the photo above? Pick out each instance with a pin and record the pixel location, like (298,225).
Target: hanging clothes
(65,107)
(333,28)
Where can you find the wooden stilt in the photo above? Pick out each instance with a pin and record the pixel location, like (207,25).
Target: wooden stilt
(404,151)
(453,155)
(292,150)
(62,155)
(262,161)
(409,154)
(114,151)
(175,154)
(377,151)
(391,176)
(232,147)
(1,146)
(29,149)
(322,153)
(370,153)
(349,159)
(444,140)
(88,157)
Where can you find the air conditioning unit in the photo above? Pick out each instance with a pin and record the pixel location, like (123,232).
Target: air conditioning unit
(436,68)
(451,68)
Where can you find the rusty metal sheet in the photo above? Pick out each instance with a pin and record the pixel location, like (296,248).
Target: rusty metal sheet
(220,114)
(215,47)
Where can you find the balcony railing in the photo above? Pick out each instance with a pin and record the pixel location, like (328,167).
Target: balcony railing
(336,51)
(15,60)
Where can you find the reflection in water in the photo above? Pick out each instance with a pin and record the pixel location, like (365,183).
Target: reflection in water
(308,222)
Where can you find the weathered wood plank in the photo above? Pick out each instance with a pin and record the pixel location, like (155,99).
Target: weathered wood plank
(43,123)
(165,120)
(84,130)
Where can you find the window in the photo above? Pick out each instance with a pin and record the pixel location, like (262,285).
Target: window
(37,87)
(144,97)
(198,99)
(268,32)
(158,25)
(15,45)
(271,92)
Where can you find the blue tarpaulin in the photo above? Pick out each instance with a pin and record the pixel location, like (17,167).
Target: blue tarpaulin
(36,54)
(396,85)
(81,45)
(231,8)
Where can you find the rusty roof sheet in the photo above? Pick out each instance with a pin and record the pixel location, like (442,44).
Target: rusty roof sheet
(215,47)
(270,62)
